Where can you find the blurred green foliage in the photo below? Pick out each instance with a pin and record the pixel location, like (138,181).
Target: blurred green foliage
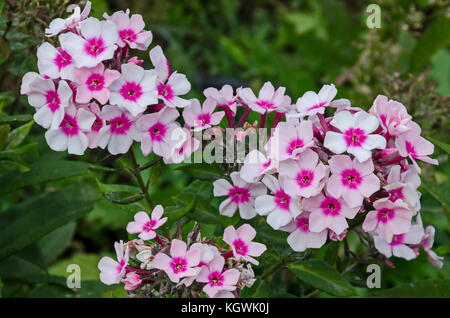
(54,209)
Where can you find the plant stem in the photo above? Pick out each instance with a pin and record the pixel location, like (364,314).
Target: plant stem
(137,174)
(277,267)
(244,117)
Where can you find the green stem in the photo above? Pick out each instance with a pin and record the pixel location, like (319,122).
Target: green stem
(137,174)
(277,267)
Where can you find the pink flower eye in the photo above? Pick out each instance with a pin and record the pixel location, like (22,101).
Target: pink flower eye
(120,125)
(351,178)
(239,195)
(95,82)
(305,178)
(331,206)
(52,100)
(131,91)
(94,47)
(127,35)
(178,265)
(62,59)
(355,137)
(302,224)
(385,214)
(69,126)
(240,247)
(165,91)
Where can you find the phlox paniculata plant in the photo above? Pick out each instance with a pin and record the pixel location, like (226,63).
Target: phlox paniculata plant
(326,169)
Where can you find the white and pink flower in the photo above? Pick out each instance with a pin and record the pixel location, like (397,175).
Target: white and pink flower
(179,153)
(352,180)
(256,165)
(312,103)
(224,97)
(268,99)
(146,225)
(241,195)
(132,281)
(59,25)
(55,62)
(241,243)
(99,122)
(355,136)
(200,117)
(111,271)
(393,116)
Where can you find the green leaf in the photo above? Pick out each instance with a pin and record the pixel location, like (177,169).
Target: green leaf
(422,289)
(437,191)
(8,119)
(203,171)
(1,286)
(440,71)
(321,275)
(433,39)
(444,146)
(174,213)
(31,220)
(260,289)
(17,135)
(42,172)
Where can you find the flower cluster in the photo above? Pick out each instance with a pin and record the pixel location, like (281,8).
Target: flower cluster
(154,266)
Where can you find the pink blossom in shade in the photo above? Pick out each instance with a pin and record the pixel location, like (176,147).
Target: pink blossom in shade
(352,180)
(337,238)
(120,131)
(279,207)
(400,245)
(95,43)
(224,97)
(181,263)
(216,278)
(393,116)
(426,243)
(241,195)
(135,60)
(159,133)
(54,62)
(208,252)
(93,134)
(411,144)
(303,177)
(161,64)
(111,271)
(388,219)
(405,192)
(49,100)
(312,103)
(301,237)
(169,92)
(354,136)
(290,140)
(268,99)
(241,243)
(134,90)
(409,175)
(145,225)
(27,79)
(94,83)
(179,153)
(71,134)
(202,117)
(59,25)
(256,165)
(327,212)
(132,281)
(130,30)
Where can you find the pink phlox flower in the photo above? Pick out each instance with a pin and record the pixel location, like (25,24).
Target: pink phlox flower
(94,83)
(71,134)
(130,30)
(355,135)
(328,212)
(241,243)
(400,245)
(279,207)
(388,219)
(181,263)
(224,97)
(268,99)
(59,25)
(55,62)
(160,133)
(405,192)
(49,100)
(95,43)
(183,151)
(352,180)
(241,195)
(256,165)
(216,278)
(27,79)
(393,116)
(120,131)
(146,225)
(304,176)
(427,242)
(134,90)
(411,144)
(409,175)
(312,103)
(132,281)
(99,122)
(301,237)
(200,117)
(111,271)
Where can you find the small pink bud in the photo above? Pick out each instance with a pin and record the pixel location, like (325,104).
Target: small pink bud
(334,237)
(136,61)
(388,263)
(132,281)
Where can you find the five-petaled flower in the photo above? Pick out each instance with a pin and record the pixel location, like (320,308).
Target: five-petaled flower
(240,241)
(145,225)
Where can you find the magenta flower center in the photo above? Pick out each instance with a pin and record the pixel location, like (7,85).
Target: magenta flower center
(410,149)
(293,145)
(351,178)
(98,124)
(120,266)
(203,119)
(215,279)
(128,35)
(305,178)
(69,125)
(131,91)
(282,199)
(265,104)
(94,46)
(396,194)
(120,125)
(95,82)
(239,195)
(178,265)
(397,240)
(240,247)
(355,137)
(165,91)
(384,215)
(62,59)
(148,226)
(302,224)
(157,132)
(52,100)
(331,206)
